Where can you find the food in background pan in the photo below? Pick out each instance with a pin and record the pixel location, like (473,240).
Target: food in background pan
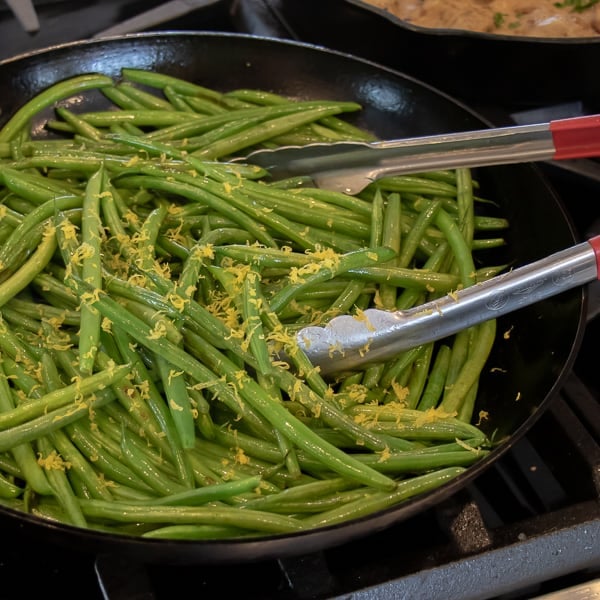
(536,18)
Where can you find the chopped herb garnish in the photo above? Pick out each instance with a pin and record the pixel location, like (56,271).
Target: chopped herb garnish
(576,5)
(499,19)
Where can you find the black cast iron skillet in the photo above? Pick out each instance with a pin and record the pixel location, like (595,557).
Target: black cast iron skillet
(513,71)
(528,366)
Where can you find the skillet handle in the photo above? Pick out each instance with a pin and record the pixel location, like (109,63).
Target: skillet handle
(577,137)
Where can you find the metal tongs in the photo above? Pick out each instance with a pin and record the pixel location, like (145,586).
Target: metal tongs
(349,167)
(347,342)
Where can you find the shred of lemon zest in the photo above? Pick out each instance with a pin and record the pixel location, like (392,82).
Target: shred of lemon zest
(53,461)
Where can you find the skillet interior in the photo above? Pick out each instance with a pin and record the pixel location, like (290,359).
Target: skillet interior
(528,365)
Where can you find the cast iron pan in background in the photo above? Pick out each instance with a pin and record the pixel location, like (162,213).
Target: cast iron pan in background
(529,364)
(511,71)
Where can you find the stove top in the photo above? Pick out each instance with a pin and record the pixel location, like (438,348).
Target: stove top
(529,526)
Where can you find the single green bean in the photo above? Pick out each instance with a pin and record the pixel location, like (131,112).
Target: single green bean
(469,373)
(391,237)
(437,377)
(380,501)
(251,520)
(49,96)
(91,271)
(30,269)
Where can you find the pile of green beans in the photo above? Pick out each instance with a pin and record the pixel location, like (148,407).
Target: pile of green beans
(148,286)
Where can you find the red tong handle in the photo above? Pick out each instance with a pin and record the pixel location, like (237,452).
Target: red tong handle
(595,244)
(577,137)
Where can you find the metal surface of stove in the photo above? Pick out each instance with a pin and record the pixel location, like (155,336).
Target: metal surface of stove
(528,527)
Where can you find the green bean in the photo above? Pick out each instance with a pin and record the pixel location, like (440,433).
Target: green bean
(458,356)
(376,238)
(224,198)
(33,188)
(136,405)
(486,244)
(220,135)
(61,397)
(205,106)
(486,222)
(459,246)
(198,125)
(410,243)
(145,470)
(267,130)
(121,99)
(144,98)
(255,334)
(346,301)
(40,311)
(484,339)
(89,331)
(251,520)
(20,321)
(464,200)
(195,532)
(467,407)
(402,362)
(161,80)
(178,400)
(352,203)
(380,501)
(349,262)
(49,422)
(391,238)
(436,379)
(264,257)
(77,463)
(23,453)
(49,96)
(196,194)
(148,235)
(177,100)
(104,462)
(420,279)
(301,435)
(308,212)
(334,124)
(411,424)
(417,185)
(143,117)
(418,462)
(319,505)
(418,378)
(157,304)
(33,219)
(8,489)
(80,126)
(210,493)
(30,269)
(60,484)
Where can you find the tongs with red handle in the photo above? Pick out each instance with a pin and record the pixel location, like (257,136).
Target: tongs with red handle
(350,166)
(348,342)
